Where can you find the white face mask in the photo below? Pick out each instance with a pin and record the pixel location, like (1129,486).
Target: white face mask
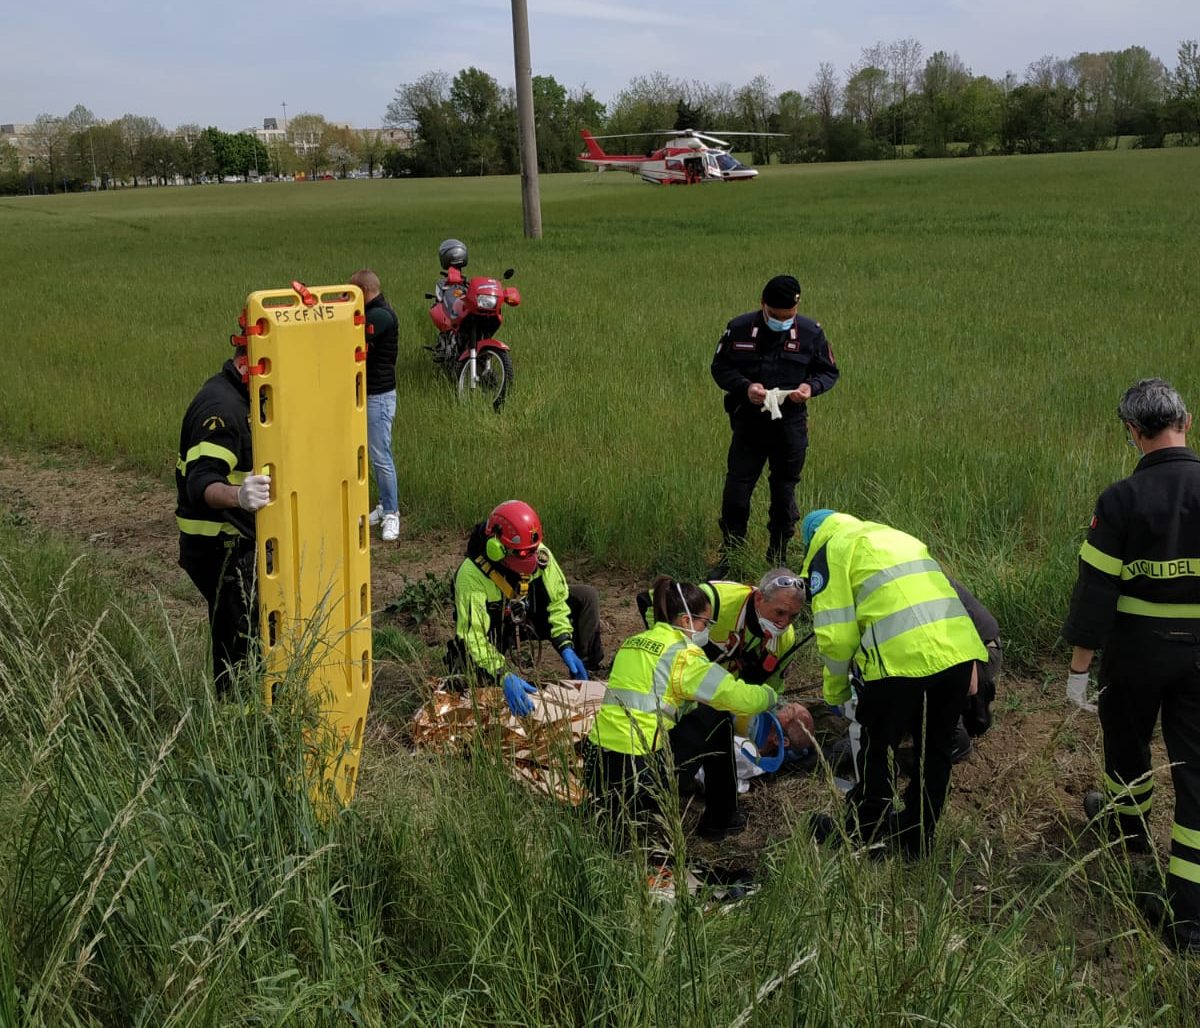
(697,638)
(770,628)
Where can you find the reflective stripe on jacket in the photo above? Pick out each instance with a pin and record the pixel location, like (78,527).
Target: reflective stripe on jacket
(214,446)
(1142,552)
(880,601)
(654,675)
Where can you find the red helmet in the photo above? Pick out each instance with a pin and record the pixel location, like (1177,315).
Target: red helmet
(514,534)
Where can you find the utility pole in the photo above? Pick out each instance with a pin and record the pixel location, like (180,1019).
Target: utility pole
(284,106)
(530,198)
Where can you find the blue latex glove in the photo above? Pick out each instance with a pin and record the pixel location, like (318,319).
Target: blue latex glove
(516,694)
(837,709)
(574,664)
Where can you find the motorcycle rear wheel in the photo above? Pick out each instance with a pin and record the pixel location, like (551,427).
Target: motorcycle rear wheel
(493,378)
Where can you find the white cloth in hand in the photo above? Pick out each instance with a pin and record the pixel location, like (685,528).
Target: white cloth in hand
(254,493)
(1077,691)
(775,399)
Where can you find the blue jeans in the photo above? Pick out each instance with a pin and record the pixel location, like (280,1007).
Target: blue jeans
(381,410)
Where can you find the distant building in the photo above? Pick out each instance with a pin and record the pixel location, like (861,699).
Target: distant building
(401,138)
(271,133)
(20,137)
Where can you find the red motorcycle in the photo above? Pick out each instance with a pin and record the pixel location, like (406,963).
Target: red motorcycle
(467,313)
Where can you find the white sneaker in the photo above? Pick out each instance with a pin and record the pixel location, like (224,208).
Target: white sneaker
(391,528)
(375,516)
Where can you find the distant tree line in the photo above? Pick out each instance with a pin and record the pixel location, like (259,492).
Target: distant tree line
(893,102)
(78,151)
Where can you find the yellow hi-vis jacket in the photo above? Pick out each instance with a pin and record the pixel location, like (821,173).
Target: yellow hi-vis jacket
(735,640)
(654,674)
(880,601)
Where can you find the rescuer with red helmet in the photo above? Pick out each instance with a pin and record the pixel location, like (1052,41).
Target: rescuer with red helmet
(509,584)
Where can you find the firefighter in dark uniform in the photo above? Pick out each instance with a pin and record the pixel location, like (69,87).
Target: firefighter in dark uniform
(217,495)
(761,354)
(1137,598)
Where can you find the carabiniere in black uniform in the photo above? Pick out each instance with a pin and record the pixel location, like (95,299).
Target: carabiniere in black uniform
(750,352)
(216,547)
(1137,598)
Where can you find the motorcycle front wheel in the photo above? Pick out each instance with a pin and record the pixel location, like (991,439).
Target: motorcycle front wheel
(493,377)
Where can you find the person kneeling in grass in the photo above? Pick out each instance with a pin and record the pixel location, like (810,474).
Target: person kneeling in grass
(663,691)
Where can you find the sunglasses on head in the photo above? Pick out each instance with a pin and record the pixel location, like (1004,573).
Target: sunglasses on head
(786,582)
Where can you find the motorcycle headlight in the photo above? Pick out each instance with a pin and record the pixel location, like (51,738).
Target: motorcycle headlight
(486,302)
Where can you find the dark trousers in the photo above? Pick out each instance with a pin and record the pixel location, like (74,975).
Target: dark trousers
(782,446)
(703,738)
(224,574)
(889,709)
(625,788)
(584,604)
(1147,668)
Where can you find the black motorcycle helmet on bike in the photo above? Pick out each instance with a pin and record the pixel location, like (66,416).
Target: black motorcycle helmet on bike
(453,254)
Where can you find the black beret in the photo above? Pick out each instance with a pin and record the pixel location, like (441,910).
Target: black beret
(782,293)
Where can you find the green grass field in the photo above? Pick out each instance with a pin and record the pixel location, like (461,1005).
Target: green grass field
(986,316)
(159,864)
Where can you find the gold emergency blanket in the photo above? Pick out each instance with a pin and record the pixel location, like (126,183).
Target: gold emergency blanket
(542,750)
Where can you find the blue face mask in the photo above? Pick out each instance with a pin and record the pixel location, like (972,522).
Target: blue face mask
(775,325)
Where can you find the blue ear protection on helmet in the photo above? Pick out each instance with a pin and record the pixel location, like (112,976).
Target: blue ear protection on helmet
(494,549)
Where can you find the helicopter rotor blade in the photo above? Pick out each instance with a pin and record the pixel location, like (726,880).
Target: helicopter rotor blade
(710,139)
(754,133)
(629,135)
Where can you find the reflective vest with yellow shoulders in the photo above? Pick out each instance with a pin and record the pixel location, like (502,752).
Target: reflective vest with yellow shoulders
(654,675)
(736,640)
(880,601)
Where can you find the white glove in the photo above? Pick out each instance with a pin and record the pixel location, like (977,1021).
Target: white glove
(775,399)
(1077,690)
(254,493)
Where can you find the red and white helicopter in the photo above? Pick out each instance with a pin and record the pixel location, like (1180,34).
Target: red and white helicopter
(687,157)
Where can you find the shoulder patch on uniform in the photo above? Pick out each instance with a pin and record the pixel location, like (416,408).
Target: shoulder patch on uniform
(1095,521)
(213,422)
(818,572)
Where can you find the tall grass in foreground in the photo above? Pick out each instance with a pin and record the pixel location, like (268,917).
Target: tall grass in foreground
(161,864)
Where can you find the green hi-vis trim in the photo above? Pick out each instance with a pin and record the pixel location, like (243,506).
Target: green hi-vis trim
(1139,788)
(1100,560)
(207,450)
(1129,605)
(192,526)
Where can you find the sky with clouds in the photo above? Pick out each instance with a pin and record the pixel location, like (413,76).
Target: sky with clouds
(230,63)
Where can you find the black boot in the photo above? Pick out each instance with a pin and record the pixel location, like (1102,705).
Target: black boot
(732,545)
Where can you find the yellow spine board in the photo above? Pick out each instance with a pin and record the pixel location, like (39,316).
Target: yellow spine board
(308,401)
